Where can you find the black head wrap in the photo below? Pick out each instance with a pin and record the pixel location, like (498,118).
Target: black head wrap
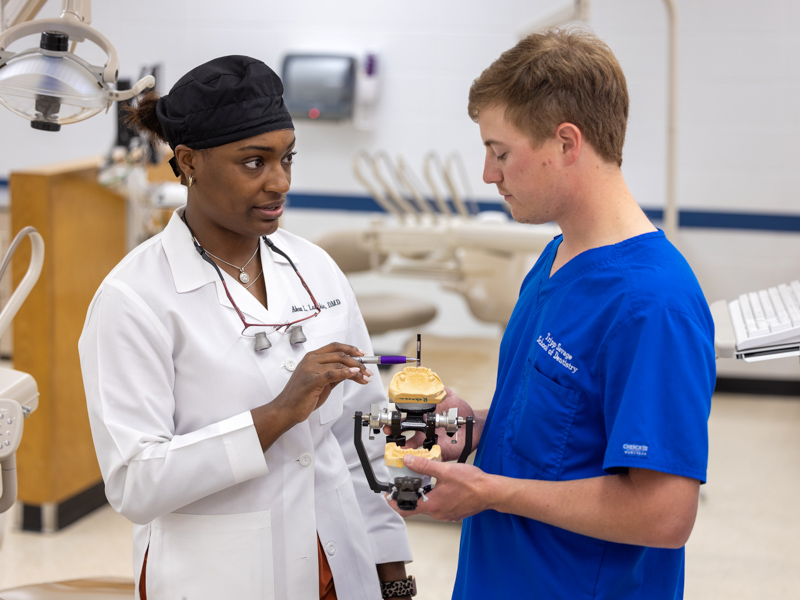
(222,101)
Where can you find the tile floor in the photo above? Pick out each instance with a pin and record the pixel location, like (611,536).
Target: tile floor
(745,545)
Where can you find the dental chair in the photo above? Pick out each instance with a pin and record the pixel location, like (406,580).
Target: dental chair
(483,256)
(382,312)
(483,261)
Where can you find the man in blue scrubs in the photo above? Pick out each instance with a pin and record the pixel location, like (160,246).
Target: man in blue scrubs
(590,459)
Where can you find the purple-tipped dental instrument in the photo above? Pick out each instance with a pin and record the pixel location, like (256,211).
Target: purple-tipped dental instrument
(385,360)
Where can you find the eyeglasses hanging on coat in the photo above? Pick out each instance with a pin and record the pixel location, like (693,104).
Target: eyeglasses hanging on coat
(296,335)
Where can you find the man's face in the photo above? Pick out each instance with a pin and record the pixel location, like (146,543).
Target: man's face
(526,176)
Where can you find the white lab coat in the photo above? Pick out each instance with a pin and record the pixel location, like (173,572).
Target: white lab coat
(170,382)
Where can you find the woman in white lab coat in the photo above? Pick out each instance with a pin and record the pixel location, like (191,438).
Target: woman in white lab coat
(224,432)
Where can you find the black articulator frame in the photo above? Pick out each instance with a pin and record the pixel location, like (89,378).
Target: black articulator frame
(407,490)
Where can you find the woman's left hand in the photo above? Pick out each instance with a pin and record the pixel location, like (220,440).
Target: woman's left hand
(394,571)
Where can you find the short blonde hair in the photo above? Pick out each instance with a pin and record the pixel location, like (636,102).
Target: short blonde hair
(559,76)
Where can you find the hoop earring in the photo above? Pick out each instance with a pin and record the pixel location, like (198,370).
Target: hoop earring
(191,181)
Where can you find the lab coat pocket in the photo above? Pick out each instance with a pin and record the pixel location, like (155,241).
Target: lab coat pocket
(208,557)
(539,427)
(333,407)
(325,330)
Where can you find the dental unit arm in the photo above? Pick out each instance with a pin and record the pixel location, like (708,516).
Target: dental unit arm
(19,395)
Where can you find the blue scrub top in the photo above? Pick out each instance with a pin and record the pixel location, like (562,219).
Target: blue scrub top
(609,364)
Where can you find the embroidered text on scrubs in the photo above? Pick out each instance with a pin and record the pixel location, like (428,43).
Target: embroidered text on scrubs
(559,354)
(635,449)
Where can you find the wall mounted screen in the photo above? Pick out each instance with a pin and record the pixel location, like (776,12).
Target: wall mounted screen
(319,86)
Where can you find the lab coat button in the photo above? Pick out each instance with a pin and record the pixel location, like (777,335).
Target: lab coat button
(305,460)
(330,548)
(290,364)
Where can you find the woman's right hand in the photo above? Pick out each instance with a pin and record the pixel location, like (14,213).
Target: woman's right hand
(308,388)
(316,375)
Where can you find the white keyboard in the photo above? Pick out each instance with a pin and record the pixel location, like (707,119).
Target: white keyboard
(768,317)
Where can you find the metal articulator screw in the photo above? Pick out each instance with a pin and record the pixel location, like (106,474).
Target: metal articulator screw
(397,431)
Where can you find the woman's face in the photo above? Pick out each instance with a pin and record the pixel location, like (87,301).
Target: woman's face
(241,187)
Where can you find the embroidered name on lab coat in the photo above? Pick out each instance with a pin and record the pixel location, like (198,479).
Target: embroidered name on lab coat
(322,305)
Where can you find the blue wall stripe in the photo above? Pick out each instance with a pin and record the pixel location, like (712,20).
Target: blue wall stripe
(333,202)
(687,218)
(723,220)
(739,221)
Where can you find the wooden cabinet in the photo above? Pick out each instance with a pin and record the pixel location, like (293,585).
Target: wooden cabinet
(83,226)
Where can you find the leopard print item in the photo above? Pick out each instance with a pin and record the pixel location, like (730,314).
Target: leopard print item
(398,589)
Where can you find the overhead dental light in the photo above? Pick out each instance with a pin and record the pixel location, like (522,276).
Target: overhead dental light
(51,86)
